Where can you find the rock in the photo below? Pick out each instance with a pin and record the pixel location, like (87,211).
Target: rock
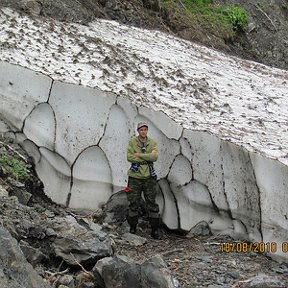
(50,232)
(15,271)
(88,285)
(207,259)
(116,272)
(31,6)
(92,225)
(84,279)
(4,281)
(262,281)
(234,274)
(15,182)
(85,251)
(75,242)
(202,228)
(152,4)
(22,195)
(67,281)
(3,192)
(34,256)
(155,273)
(134,240)
(116,208)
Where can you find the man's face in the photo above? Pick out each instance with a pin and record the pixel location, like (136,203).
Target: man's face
(143,132)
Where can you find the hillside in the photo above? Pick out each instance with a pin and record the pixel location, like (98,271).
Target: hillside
(264,40)
(199,88)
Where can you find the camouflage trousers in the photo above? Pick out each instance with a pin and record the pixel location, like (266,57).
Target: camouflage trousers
(149,189)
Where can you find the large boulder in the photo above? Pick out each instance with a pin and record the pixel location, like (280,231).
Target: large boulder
(76,244)
(119,272)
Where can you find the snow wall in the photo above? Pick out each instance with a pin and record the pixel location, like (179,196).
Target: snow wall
(77,137)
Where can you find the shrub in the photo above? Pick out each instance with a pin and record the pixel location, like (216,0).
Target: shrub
(238,18)
(16,169)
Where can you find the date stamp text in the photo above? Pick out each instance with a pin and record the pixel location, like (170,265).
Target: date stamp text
(256,247)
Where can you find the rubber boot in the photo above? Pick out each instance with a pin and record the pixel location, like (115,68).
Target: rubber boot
(156,230)
(132,221)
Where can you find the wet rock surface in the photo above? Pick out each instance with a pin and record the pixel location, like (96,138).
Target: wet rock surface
(60,247)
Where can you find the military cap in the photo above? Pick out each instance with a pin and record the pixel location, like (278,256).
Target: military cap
(141,124)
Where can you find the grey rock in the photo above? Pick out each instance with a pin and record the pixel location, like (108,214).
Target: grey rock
(67,280)
(207,259)
(234,274)
(93,226)
(31,6)
(221,280)
(155,273)
(22,195)
(15,271)
(88,285)
(75,11)
(86,250)
(202,228)
(33,255)
(262,281)
(116,272)
(134,239)
(50,232)
(75,242)
(3,192)
(116,208)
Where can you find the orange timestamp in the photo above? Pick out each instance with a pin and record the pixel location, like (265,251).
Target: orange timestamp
(256,247)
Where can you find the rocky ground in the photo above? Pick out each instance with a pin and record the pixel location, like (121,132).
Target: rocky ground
(194,260)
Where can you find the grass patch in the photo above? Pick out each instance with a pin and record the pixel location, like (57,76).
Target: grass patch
(224,22)
(15,168)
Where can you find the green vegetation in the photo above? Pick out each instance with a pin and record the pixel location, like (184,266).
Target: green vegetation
(237,17)
(16,169)
(221,21)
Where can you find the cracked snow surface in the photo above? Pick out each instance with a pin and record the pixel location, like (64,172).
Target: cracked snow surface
(201,89)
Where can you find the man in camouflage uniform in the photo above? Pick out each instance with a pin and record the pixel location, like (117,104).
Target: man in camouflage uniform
(142,152)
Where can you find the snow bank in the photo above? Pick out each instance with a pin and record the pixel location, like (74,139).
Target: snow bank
(220,122)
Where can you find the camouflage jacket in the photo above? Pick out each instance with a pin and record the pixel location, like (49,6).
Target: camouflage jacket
(146,154)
